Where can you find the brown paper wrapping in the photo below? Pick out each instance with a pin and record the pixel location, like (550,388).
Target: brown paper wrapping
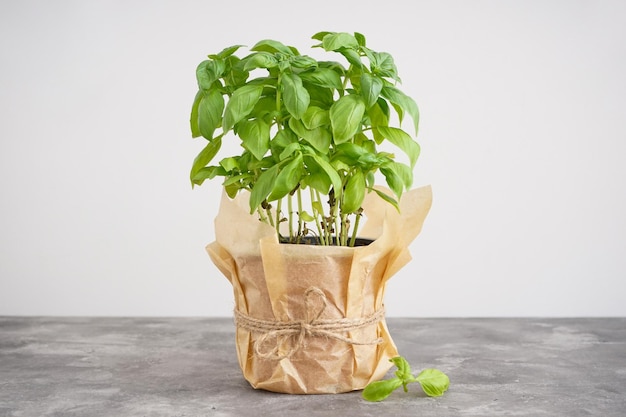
(270,283)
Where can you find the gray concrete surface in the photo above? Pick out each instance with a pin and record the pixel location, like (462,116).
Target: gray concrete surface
(179,367)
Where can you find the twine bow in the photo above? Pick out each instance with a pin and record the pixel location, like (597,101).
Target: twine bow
(297,331)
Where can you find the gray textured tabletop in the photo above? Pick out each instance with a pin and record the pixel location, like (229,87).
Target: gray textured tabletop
(179,367)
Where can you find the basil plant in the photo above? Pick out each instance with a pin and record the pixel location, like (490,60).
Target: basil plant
(310,132)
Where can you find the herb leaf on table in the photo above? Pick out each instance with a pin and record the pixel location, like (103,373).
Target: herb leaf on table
(433,382)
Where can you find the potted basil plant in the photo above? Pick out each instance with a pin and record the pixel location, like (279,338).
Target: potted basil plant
(308,272)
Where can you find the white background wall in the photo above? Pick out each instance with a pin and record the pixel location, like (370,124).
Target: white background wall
(523,110)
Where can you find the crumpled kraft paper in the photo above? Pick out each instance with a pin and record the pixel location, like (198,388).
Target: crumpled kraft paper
(287,295)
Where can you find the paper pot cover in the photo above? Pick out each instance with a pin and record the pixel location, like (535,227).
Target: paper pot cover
(310,319)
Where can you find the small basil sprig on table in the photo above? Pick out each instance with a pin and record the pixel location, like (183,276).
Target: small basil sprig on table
(433,382)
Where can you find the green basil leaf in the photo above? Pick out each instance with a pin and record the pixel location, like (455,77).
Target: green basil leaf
(240,105)
(379,390)
(405,102)
(433,382)
(393,181)
(226,52)
(209,71)
(287,179)
(404,369)
(207,173)
(371,87)
(295,96)
(370,180)
(236,179)
(360,38)
(403,141)
(210,111)
(284,138)
(232,190)
(352,56)
(342,164)
(263,187)
(369,161)
(350,153)
(255,135)
(389,199)
(205,156)
(260,60)
(230,164)
(318,209)
(379,116)
(317,180)
(333,176)
(382,64)
(320,96)
(269,45)
(401,171)
(315,117)
(253,164)
(306,216)
(320,35)
(303,62)
(236,75)
(353,150)
(193,118)
(346,115)
(319,137)
(289,150)
(323,77)
(317,177)
(336,41)
(354,193)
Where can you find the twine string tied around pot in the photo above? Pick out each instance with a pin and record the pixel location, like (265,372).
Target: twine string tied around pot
(293,334)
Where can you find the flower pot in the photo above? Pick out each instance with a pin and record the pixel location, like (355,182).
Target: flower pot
(310,319)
